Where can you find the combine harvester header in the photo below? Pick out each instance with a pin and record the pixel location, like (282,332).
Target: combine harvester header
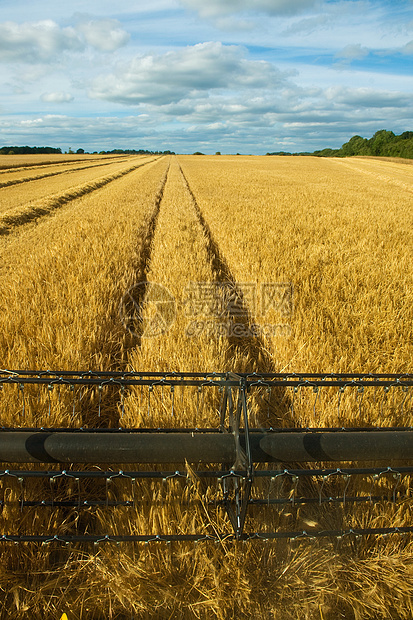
(248,463)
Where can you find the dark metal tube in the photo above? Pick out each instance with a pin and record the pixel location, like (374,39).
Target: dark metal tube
(55,447)
(339,446)
(86,447)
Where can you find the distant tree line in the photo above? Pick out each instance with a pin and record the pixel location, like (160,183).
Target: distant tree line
(383,144)
(41,150)
(134,152)
(25,150)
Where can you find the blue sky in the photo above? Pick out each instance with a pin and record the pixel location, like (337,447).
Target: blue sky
(246,76)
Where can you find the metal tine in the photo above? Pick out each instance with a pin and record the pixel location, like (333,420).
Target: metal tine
(198,397)
(107,482)
(201,412)
(360,390)
(49,389)
(320,493)
(21,482)
(122,400)
(100,388)
(316,392)
(397,477)
(347,478)
(295,480)
(51,484)
(405,391)
(375,478)
(140,397)
(295,390)
(72,389)
(133,489)
(79,498)
(385,395)
(21,388)
(150,390)
(268,402)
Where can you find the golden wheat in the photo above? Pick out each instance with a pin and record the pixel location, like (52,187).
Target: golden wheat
(345,246)
(344,243)
(29,160)
(19,195)
(24,175)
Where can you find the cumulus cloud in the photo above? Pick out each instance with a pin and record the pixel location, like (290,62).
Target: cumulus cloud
(176,75)
(218,8)
(35,41)
(41,41)
(368,97)
(58,97)
(304,119)
(105,35)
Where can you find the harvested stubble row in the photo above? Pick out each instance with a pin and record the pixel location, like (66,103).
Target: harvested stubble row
(62,281)
(26,175)
(392,172)
(19,197)
(177,258)
(29,161)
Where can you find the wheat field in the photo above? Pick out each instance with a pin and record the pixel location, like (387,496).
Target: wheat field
(332,237)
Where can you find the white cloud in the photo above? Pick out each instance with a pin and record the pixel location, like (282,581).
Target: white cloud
(59,97)
(215,94)
(176,75)
(35,41)
(218,8)
(105,35)
(408,48)
(368,97)
(32,122)
(41,41)
(308,25)
(254,122)
(353,52)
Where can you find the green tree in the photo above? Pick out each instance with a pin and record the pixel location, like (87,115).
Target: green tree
(353,147)
(381,139)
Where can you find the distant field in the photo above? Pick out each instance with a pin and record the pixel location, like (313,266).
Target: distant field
(322,251)
(21,161)
(396,160)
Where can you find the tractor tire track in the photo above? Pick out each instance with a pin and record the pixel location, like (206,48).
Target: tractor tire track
(246,351)
(259,360)
(131,306)
(102,409)
(45,206)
